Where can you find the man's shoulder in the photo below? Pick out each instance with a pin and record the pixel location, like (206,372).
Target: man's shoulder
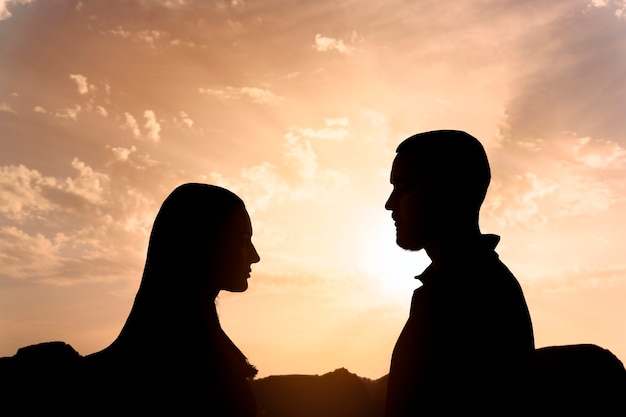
(483,275)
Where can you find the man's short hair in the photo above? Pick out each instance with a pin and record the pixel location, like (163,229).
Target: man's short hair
(452,163)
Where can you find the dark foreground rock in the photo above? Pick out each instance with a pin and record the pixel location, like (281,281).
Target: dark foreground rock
(584,379)
(570,380)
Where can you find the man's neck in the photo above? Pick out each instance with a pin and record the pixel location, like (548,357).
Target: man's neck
(450,245)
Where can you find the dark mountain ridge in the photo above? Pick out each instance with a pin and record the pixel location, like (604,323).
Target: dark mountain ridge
(335,394)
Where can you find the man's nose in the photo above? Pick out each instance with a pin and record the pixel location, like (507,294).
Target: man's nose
(388,204)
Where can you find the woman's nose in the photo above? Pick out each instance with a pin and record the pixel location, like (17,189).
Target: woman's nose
(255,255)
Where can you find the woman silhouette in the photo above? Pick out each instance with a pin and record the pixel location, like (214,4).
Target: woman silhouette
(172,356)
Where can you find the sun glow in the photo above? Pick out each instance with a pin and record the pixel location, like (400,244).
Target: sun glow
(391,267)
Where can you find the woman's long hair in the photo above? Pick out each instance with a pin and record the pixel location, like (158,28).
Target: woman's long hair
(172,357)
(174,311)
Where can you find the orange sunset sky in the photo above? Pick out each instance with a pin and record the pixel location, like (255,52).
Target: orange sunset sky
(297,106)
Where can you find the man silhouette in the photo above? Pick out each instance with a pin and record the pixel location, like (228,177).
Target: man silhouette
(468,343)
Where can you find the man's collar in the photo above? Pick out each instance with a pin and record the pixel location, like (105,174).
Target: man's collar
(461,250)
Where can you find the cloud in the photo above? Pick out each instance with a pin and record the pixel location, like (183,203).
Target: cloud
(270,187)
(378,121)
(102,111)
(582,196)
(301,152)
(599,153)
(329,133)
(120,32)
(224,4)
(4,7)
(131,123)
(325,44)
(43,259)
(555,178)
(151,37)
(27,194)
(69,113)
(121,153)
(81,81)
(335,130)
(153,127)
(298,146)
(254,94)
(339,121)
(23,255)
(183,119)
(573,278)
(20,191)
(4,107)
(618,6)
(260,95)
(89,226)
(515,201)
(170,4)
(302,177)
(260,186)
(88,184)
(178,42)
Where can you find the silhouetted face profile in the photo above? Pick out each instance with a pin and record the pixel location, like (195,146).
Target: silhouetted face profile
(236,254)
(409,205)
(200,244)
(439,180)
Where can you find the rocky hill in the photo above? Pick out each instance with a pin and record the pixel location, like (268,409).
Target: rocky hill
(335,394)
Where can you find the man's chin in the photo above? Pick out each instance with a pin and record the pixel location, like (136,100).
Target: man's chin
(239,288)
(408,244)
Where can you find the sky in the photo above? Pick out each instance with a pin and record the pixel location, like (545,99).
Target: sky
(298,106)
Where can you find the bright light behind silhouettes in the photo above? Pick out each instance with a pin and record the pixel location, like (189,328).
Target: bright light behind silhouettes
(392,267)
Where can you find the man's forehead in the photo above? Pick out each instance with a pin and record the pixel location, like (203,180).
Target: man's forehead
(405,169)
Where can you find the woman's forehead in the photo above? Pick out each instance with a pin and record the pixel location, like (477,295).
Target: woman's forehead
(240,219)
